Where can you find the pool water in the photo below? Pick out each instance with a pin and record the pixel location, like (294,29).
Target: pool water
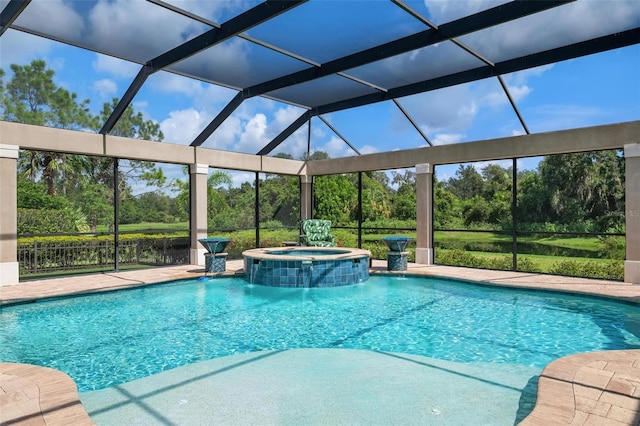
(105,339)
(308,252)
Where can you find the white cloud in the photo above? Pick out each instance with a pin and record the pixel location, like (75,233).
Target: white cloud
(253,137)
(294,145)
(522,77)
(368,149)
(318,130)
(452,110)
(168,82)
(285,116)
(225,136)
(479,165)
(449,110)
(443,11)
(20,48)
(116,67)
(171,83)
(213,10)
(226,63)
(252,106)
(238,178)
(211,95)
(447,138)
(422,64)
(106,88)
(254,125)
(64,23)
(183,126)
(562,25)
(494,98)
(138,31)
(336,148)
(204,97)
(519,92)
(498,98)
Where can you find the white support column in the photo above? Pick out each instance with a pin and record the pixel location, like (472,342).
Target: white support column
(306,194)
(198,174)
(632,213)
(9,268)
(424,214)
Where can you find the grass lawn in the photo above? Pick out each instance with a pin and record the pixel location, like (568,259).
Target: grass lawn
(65,273)
(545,262)
(582,243)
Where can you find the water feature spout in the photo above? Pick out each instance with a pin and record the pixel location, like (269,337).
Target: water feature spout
(307,265)
(397,256)
(215,258)
(215,244)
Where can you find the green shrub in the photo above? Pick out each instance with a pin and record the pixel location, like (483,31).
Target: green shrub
(241,242)
(378,249)
(35,221)
(612,270)
(504,263)
(459,258)
(528,265)
(614,246)
(345,237)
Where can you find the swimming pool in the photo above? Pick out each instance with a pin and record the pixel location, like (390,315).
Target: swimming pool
(105,339)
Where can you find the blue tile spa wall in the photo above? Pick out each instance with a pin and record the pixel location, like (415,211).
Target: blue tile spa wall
(306,273)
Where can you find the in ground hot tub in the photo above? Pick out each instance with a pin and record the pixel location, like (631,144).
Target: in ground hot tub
(306,266)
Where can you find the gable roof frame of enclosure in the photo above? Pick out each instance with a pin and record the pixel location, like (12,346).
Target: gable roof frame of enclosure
(16,15)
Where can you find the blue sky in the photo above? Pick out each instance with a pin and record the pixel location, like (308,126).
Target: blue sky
(587,91)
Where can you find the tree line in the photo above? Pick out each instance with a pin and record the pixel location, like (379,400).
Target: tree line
(58,192)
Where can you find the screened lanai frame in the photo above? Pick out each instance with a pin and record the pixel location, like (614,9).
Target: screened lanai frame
(311,70)
(516,256)
(329,71)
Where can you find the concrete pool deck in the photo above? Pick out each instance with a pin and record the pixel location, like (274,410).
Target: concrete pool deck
(600,388)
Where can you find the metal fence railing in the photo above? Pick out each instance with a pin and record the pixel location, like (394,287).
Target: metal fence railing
(41,257)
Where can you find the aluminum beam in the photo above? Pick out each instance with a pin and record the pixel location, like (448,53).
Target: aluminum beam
(601,44)
(285,134)
(610,136)
(485,19)
(219,119)
(11,12)
(232,27)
